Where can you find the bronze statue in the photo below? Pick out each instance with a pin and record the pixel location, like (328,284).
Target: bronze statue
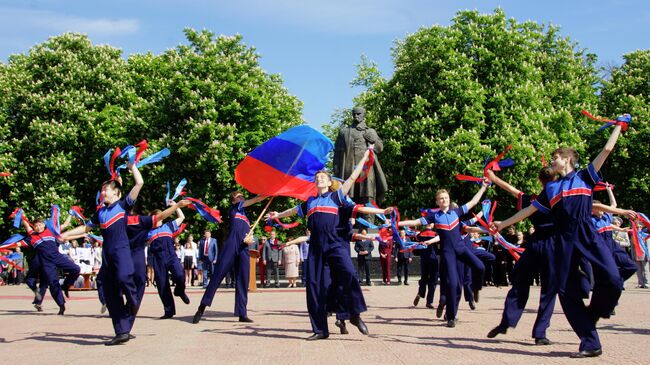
(350,146)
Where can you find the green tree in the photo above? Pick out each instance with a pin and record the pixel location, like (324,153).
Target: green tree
(210,102)
(463,92)
(63,104)
(67,101)
(627,91)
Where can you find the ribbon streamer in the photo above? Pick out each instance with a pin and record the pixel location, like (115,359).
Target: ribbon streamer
(209,214)
(496,164)
(367,166)
(622,120)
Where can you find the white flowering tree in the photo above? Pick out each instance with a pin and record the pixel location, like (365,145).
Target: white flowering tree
(462,92)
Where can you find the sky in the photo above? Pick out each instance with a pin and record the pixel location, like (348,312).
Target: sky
(313,45)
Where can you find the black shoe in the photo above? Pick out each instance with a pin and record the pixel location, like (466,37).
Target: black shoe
(586,353)
(185,298)
(166,316)
(358,322)
(472,306)
(451,323)
(124,337)
(198,314)
(399,282)
(440,310)
(613,312)
(245,319)
(277,285)
(476,294)
(61,310)
(430,306)
(406,283)
(498,330)
(341,326)
(131,337)
(416,300)
(66,291)
(38,307)
(317,336)
(543,341)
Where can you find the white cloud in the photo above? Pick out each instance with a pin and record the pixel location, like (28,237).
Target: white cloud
(26,20)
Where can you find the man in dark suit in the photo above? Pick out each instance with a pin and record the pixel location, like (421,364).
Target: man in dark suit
(403,259)
(272,258)
(208,253)
(363,247)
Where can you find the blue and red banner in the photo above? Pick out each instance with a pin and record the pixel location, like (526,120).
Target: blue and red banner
(286,164)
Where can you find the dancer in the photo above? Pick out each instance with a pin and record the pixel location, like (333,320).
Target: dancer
(569,201)
(447,224)
(118,278)
(234,254)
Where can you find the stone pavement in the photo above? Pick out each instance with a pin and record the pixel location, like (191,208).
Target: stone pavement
(399,333)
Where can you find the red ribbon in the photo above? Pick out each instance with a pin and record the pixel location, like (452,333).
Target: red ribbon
(600,186)
(179,230)
(367,166)
(514,251)
(635,239)
(494,164)
(607,121)
(18,267)
(142,146)
(5,174)
(116,154)
(544,163)
(462,177)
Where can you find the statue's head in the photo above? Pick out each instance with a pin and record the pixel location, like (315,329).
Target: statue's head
(358,114)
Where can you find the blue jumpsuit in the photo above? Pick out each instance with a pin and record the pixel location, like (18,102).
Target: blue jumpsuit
(36,278)
(447,225)
(233,254)
(327,246)
(569,201)
(539,257)
(165,261)
(50,260)
(117,265)
(428,267)
(626,267)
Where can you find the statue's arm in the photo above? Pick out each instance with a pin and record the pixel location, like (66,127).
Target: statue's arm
(339,153)
(372,137)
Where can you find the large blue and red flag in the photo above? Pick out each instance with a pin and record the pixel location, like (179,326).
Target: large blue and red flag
(286,164)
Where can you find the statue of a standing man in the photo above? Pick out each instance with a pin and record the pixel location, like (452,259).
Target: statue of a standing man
(350,146)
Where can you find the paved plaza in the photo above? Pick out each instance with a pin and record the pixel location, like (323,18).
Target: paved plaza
(399,333)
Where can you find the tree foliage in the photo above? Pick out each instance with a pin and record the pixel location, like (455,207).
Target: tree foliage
(628,91)
(463,92)
(67,101)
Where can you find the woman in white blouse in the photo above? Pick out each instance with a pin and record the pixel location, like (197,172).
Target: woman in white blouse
(188,258)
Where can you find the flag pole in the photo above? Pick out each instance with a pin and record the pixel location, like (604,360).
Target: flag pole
(248,237)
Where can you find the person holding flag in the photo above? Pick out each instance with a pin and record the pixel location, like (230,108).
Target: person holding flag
(328,247)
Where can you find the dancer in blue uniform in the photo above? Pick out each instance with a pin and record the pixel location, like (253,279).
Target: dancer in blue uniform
(234,254)
(328,246)
(447,225)
(117,279)
(165,261)
(428,266)
(602,218)
(569,201)
(50,259)
(539,258)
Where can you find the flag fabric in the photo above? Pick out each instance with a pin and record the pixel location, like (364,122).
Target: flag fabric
(286,164)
